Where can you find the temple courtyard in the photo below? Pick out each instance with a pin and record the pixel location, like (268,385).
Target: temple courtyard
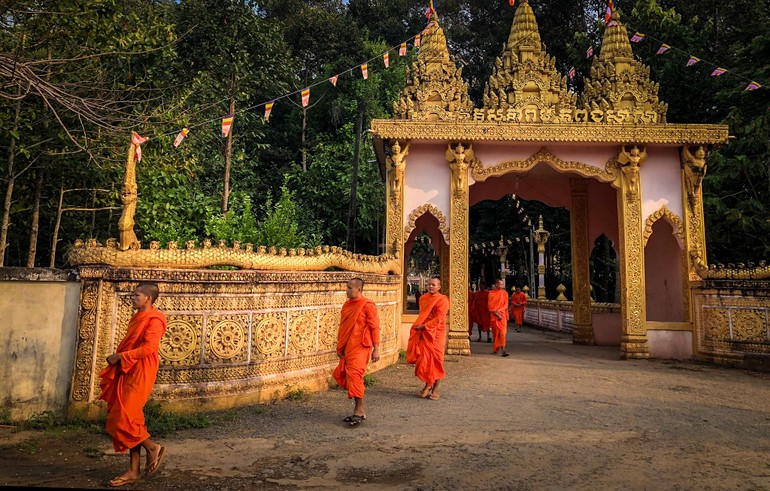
(552,416)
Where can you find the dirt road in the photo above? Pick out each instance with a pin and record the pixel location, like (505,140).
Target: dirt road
(551,416)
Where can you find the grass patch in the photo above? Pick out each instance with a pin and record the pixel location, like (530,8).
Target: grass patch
(369,380)
(30,445)
(46,420)
(161,423)
(92,452)
(402,356)
(297,394)
(5,417)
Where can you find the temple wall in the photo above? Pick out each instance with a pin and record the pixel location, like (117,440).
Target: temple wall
(233,337)
(39,324)
(426,179)
(558,316)
(661,181)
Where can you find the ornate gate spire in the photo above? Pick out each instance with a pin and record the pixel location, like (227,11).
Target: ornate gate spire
(435,88)
(620,83)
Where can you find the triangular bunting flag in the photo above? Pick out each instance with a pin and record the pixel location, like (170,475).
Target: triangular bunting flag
(752,86)
(693,60)
(417,41)
(572,73)
(608,12)
(137,141)
(333,80)
(589,52)
(305,97)
(402,50)
(719,71)
(430,10)
(386,59)
(637,37)
(227,123)
(365,71)
(511,2)
(663,48)
(269,109)
(182,134)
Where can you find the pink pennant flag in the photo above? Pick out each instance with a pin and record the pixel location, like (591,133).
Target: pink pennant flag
(386,59)
(181,136)
(269,109)
(663,48)
(637,37)
(305,97)
(417,41)
(402,50)
(718,71)
(137,141)
(589,52)
(227,123)
(608,12)
(333,80)
(365,71)
(752,86)
(572,73)
(693,60)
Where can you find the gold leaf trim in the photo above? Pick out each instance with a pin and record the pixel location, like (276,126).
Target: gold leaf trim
(673,218)
(481,174)
(428,208)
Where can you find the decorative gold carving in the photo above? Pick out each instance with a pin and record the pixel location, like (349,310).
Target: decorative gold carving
(435,89)
(738,272)
(458,343)
(181,343)
(619,82)
(396,166)
(694,166)
(633,342)
(317,259)
(330,321)
(227,339)
(543,155)
(583,332)
(749,325)
(676,134)
(128,192)
(525,85)
(269,335)
(420,211)
(302,332)
(394,228)
(673,219)
(87,329)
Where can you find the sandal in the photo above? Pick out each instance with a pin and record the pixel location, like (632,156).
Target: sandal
(350,418)
(434,397)
(121,481)
(356,420)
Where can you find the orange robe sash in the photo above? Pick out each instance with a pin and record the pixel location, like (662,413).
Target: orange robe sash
(498,302)
(126,386)
(425,349)
(358,333)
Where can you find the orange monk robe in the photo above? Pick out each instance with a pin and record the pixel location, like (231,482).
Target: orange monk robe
(518,312)
(358,333)
(498,302)
(471,311)
(126,386)
(425,349)
(482,312)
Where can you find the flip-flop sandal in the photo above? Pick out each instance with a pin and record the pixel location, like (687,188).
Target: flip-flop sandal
(356,420)
(350,418)
(425,393)
(434,397)
(506,354)
(155,464)
(120,481)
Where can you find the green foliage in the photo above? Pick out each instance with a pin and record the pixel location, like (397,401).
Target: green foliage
(369,380)
(92,452)
(297,394)
(30,445)
(5,417)
(44,421)
(239,223)
(161,423)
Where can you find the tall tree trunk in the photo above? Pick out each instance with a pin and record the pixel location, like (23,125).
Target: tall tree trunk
(56,227)
(11,180)
(354,180)
(35,225)
(229,146)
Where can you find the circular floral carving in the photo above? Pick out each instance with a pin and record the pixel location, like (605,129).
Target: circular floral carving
(303,333)
(227,339)
(268,335)
(749,325)
(178,342)
(330,322)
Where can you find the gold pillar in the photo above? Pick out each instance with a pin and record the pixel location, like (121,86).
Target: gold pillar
(583,332)
(693,172)
(541,237)
(633,341)
(128,193)
(443,258)
(458,343)
(394,220)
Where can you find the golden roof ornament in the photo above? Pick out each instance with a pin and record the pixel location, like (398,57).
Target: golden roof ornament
(525,81)
(435,89)
(621,84)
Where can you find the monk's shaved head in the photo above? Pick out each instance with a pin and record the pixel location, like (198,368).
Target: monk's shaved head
(150,289)
(354,287)
(358,282)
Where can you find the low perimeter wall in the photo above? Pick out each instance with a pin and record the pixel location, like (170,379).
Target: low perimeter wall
(233,337)
(38,320)
(557,315)
(732,319)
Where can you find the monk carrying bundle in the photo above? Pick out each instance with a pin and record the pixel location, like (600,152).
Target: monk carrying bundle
(426,340)
(127,382)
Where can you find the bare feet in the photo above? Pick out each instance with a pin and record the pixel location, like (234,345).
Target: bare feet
(123,479)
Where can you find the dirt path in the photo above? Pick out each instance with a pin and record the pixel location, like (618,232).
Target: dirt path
(553,416)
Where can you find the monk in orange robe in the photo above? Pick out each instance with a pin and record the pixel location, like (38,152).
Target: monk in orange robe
(427,337)
(471,311)
(498,312)
(358,340)
(518,304)
(482,313)
(127,381)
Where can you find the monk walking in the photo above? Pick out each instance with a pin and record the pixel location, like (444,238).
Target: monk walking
(498,311)
(482,312)
(472,310)
(518,304)
(426,340)
(127,382)
(358,339)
